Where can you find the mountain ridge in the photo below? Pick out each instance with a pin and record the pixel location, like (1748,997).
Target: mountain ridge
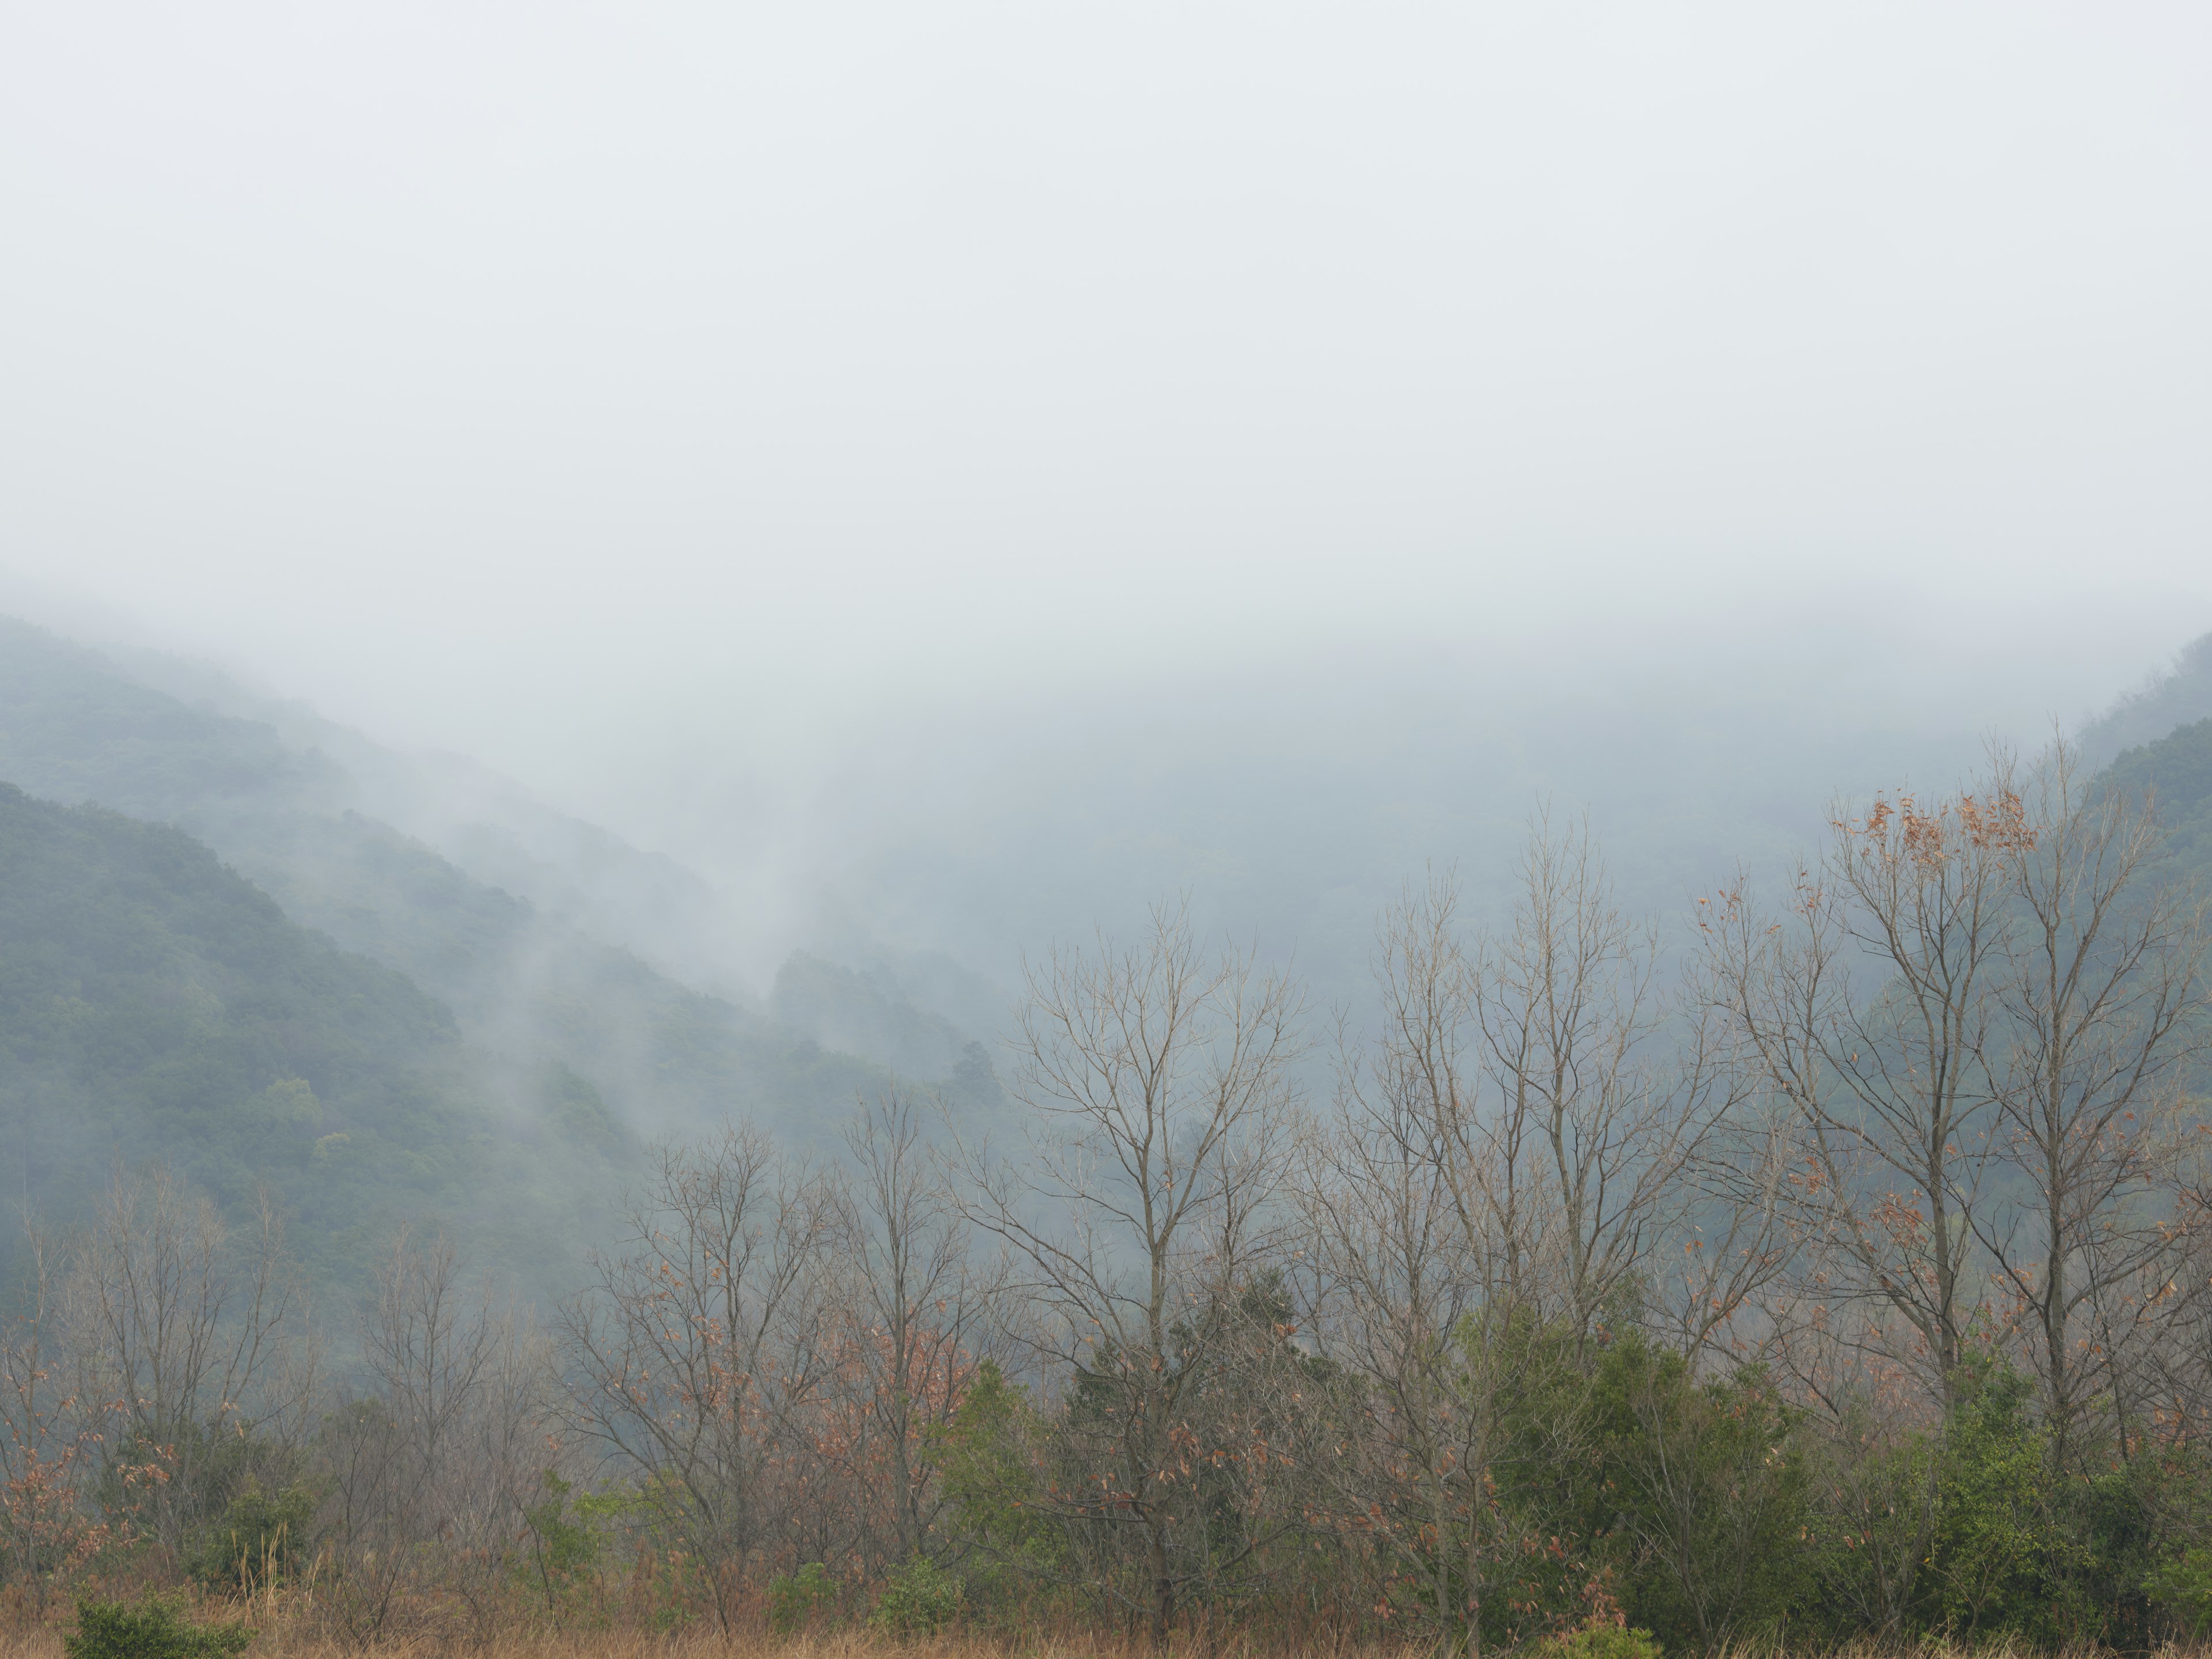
(532,988)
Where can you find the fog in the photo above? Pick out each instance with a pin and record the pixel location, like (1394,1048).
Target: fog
(777,761)
(945,472)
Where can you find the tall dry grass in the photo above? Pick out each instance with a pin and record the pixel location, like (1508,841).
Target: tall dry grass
(296,1624)
(294,1638)
(292,1624)
(298,1641)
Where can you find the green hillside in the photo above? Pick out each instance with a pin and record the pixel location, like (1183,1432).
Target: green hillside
(2178,768)
(155,1005)
(529,991)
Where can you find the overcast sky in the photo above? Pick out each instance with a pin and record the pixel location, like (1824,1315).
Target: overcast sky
(580,384)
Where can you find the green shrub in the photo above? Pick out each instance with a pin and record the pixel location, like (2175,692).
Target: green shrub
(920,1599)
(562,1546)
(2002,1563)
(793,1600)
(987,1459)
(2181,1591)
(148,1630)
(1599,1642)
(260,1540)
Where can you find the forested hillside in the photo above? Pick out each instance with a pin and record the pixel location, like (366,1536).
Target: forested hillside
(531,989)
(156,1007)
(2175,697)
(2177,771)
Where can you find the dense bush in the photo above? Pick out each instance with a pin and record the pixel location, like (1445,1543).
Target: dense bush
(154,1629)
(918,1599)
(796,1599)
(261,1540)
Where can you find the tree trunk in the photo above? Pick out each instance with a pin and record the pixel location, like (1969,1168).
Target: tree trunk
(1163,1586)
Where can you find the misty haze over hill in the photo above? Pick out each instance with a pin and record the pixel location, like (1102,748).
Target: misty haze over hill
(708,542)
(1288,813)
(798,440)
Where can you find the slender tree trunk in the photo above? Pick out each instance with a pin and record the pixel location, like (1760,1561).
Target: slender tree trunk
(1163,1590)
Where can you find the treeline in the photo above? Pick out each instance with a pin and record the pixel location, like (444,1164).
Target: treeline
(1842,1267)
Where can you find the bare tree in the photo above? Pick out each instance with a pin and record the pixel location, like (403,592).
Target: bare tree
(1163,1090)
(1412,1274)
(2169,1311)
(443,1451)
(50,1434)
(195,1333)
(1731,1236)
(1867,1010)
(2100,997)
(1531,1123)
(703,1338)
(918,1309)
(1606,1094)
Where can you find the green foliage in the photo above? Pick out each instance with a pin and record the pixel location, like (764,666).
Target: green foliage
(1536,1574)
(2181,1591)
(794,1599)
(919,1599)
(1867,1529)
(573,1105)
(986,1463)
(153,998)
(563,1545)
(1599,1641)
(148,1629)
(2000,1560)
(260,1540)
(1710,1491)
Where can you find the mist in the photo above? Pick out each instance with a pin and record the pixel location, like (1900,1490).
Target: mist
(947,477)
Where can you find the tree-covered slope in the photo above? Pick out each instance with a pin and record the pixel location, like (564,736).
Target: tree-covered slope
(155,1005)
(2177,695)
(569,871)
(73,729)
(2177,769)
(530,990)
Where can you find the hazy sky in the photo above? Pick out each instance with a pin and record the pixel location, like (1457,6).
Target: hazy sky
(587,386)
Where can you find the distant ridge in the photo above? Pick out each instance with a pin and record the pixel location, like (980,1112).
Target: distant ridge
(574,873)
(174,739)
(284,802)
(2172,698)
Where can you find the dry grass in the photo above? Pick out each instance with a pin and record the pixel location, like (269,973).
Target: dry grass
(286,1635)
(291,1626)
(45,1643)
(296,1642)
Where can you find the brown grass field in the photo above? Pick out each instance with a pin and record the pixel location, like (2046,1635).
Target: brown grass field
(300,1638)
(45,1642)
(291,1627)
